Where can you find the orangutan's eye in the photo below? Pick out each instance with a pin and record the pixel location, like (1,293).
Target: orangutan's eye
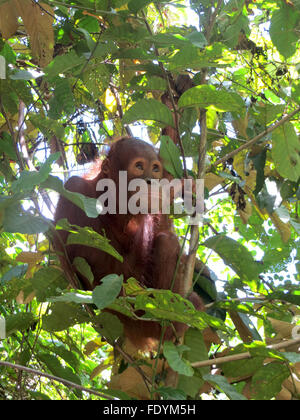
(140,166)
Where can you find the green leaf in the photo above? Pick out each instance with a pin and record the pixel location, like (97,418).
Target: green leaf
(240,368)
(283,30)
(96,78)
(105,294)
(109,326)
(89,40)
(22,75)
(170,155)
(29,180)
(87,204)
(88,237)
(63,99)
(149,110)
(216,55)
(165,305)
(19,322)
(267,382)
(239,24)
(175,360)
(84,268)
(286,151)
(15,272)
(63,316)
(63,64)
(197,352)
(25,223)
(222,385)
(7,147)
(237,257)
(171,394)
(57,369)
(83,298)
(209,97)
(48,282)
(136,5)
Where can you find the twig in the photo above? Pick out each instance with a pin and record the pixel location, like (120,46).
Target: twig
(250,143)
(57,379)
(116,94)
(244,356)
(213,21)
(21,137)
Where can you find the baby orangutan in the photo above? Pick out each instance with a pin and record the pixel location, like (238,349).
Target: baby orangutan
(146,241)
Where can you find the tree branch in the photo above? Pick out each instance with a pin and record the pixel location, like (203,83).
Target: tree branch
(244,356)
(57,379)
(255,139)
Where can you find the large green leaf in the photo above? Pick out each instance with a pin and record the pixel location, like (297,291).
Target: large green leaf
(63,99)
(286,151)
(209,97)
(170,155)
(64,315)
(245,367)
(136,5)
(283,30)
(84,268)
(48,282)
(63,64)
(19,322)
(237,257)
(175,360)
(88,237)
(109,326)
(29,180)
(25,223)
(197,352)
(105,294)
(57,369)
(149,110)
(221,384)
(267,382)
(165,305)
(215,55)
(87,204)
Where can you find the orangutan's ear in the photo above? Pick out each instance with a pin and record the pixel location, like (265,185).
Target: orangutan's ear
(105,168)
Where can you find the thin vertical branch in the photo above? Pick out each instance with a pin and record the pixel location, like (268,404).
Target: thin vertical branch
(21,136)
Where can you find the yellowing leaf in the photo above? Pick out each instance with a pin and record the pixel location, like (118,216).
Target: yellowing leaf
(212,180)
(103,366)
(38,21)
(93,346)
(33,259)
(30,257)
(240,125)
(248,173)
(8,20)
(109,101)
(283,228)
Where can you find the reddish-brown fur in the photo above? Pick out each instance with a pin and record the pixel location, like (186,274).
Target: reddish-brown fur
(147,242)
